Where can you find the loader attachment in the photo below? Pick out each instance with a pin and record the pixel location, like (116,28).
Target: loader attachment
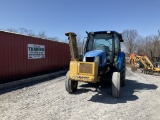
(73,45)
(84,71)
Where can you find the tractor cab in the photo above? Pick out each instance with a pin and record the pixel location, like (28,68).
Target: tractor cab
(102,47)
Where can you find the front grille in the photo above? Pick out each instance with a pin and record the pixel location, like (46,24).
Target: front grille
(89,59)
(85,68)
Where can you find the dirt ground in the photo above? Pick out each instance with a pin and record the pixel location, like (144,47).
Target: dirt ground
(139,100)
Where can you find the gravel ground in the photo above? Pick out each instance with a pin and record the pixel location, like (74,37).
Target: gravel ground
(139,100)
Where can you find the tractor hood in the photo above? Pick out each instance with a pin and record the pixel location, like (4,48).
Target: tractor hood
(98,56)
(94,53)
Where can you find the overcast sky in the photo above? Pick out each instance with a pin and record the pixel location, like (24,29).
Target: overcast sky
(56,17)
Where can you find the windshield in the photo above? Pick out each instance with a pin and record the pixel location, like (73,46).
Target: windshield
(100,42)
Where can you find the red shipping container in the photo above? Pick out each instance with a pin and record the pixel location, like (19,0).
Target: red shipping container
(22,55)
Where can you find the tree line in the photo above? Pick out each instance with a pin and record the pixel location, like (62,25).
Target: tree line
(24,31)
(134,43)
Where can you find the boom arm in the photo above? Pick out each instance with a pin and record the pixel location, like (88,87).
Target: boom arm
(145,61)
(73,46)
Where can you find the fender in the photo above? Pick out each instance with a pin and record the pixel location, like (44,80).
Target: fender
(121,57)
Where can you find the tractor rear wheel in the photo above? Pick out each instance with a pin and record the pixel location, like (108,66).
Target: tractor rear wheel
(116,84)
(71,86)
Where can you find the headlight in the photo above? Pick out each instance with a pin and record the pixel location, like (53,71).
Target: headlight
(97,60)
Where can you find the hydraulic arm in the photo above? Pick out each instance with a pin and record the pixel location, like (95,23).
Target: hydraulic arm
(73,46)
(146,64)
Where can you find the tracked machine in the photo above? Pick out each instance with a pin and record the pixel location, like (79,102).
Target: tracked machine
(143,63)
(102,60)
(156,61)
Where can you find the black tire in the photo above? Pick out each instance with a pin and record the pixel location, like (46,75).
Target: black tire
(150,72)
(141,70)
(144,71)
(123,73)
(71,86)
(116,85)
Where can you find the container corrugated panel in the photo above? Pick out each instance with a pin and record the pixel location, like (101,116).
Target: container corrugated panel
(14,62)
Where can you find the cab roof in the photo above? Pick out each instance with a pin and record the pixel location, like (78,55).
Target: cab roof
(108,32)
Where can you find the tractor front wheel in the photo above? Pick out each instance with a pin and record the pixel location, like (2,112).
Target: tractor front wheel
(71,86)
(116,84)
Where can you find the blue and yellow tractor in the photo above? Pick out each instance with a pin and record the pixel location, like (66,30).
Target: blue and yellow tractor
(102,60)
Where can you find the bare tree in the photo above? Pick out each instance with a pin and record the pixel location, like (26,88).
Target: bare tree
(42,34)
(130,40)
(139,45)
(12,30)
(66,40)
(79,43)
(31,33)
(155,45)
(53,38)
(149,46)
(25,31)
